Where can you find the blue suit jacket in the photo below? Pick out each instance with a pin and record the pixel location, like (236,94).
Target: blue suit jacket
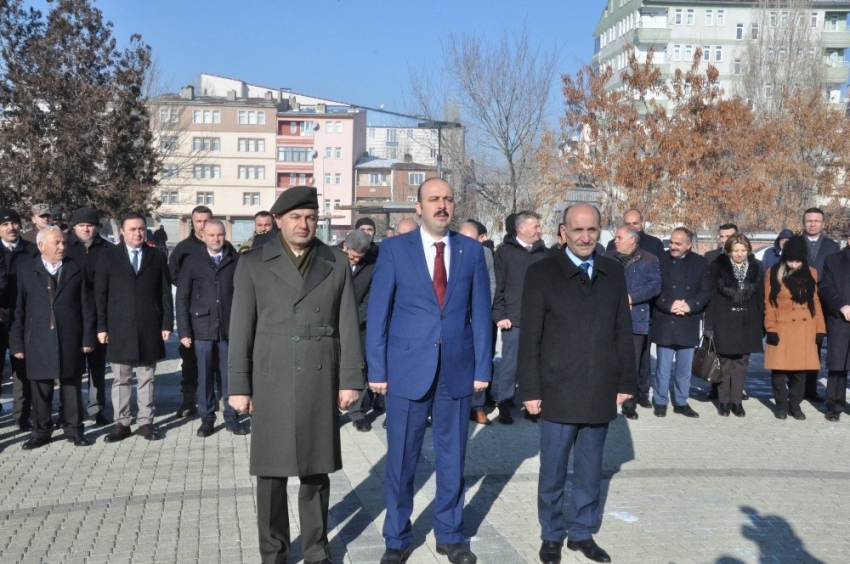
(406,324)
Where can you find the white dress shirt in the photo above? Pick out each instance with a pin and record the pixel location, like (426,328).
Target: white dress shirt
(51,269)
(428,243)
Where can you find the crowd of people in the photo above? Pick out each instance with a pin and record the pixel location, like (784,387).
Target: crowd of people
(408,326)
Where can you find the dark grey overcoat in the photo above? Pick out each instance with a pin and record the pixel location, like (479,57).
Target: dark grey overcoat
(834,290)
(294,343)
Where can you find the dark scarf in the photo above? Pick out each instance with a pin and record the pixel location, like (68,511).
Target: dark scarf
(302,263)
(624,259)
(800,283)
(814,247)
(730,285)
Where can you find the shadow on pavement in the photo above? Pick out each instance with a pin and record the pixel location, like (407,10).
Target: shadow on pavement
(775,537)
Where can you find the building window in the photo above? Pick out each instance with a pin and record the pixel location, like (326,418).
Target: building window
(337,179)
(371,133)
(163,115)
(814,19)
(338,153)
(169,143)
(709,17)
(169,197)
(677,52)
(377,179)
(721,17)
(772,19)
(677,18)
(206,143)
(293,127)
(329,127)
(251,172)
(737,67)
(718,53)
(768,91)
(248,145)
(327,152)
(339,127)
(206,116)
(689,19)
(706,53)
(336,204)
(327,178)
(755,31)
(295,154)
(411,198)
(250,117)
(371,151)
(250,198)
(170,171)
(392,135)
(783,19)
(415,178)
(168,116)
(207,171)
(205,199)
(689,53)
(739,31)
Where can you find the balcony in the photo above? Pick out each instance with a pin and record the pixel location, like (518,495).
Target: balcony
(838,38)
(837,71)
(652,34)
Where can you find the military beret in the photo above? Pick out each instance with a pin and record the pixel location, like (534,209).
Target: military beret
(85,215)
(40,209)
(296,198)
(7,215)
(364,221)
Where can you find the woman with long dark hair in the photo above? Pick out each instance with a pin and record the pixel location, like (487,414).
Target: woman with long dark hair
(795,327)
(734,318)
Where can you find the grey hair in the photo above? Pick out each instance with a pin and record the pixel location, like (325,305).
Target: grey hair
(218,222)
(523,216)
(43,233)
(631,232)
(357,241)
(688,233)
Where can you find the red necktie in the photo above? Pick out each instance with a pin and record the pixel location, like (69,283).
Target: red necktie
(440,274)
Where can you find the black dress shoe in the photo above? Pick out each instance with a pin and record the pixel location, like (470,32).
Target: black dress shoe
(187,408)
(235,427)
(832,416)
(505,417)
(148,433)
(36,442)
(644,402)
(378,408)
(458,553)
(362,425)
(590,549)
(723,409)
(780,414)
(630,413)
(738,410)
(660,411)
(119,433)
(395,556)
(79,440)
(798,415)
(325,561)
(25,426)
(550,552)
(206,429)
(100,419)
(685,410)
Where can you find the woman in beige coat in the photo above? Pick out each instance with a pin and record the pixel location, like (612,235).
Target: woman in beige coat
(795,327)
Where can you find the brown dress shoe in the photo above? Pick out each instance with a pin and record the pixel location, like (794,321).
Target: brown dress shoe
(481,418)
(119,433)
(147,432)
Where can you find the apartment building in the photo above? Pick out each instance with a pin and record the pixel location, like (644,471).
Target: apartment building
(676,28)
(218,151)
(391,180)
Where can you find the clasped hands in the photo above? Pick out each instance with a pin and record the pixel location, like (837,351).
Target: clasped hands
(680,307)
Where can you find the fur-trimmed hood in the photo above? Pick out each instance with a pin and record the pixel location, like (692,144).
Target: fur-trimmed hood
(727,285)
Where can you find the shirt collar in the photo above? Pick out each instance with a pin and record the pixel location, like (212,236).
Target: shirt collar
(577,261)
(429,241)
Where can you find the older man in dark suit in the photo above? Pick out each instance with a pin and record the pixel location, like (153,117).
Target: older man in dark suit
(54,325)
(575,385)
(135,312)
(834,289)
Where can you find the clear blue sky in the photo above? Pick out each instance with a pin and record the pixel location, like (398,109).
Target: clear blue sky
(356,51)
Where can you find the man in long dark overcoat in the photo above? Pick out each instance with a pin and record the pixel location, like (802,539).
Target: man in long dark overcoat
(294,359)
(834,289)
(54,325)
(575,384)
(135,315)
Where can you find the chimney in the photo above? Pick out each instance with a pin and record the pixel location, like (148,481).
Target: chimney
(187,92)
(321,108)
(268,95)
(231,95)
(408,158)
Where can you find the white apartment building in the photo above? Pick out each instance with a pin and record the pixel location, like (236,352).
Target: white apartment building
(676,28)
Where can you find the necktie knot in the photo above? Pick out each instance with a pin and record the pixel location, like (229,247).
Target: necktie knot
(585,266)
(217,259)
(440,247)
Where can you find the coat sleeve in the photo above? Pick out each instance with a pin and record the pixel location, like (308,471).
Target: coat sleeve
(482,323)
(828,290)
(182,297)
(820,323)
(770,312)
(243,327)
(351,355)
(167,298)
(624,342)
(500,308)
(533,312)
(4,276)
(650,285)
(380,311)
(16,334)
(101,291)
(699,301)
(89,311)
(491,270)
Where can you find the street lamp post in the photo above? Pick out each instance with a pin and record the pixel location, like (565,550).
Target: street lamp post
(439,126)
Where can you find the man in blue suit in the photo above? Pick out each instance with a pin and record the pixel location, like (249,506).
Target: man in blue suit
(428,346)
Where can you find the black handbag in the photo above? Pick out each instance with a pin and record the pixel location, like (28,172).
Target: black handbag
(706,363)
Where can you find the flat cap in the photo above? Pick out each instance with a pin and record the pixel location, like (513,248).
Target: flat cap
(85,215)
(41,209)
(296,198)
(7,215)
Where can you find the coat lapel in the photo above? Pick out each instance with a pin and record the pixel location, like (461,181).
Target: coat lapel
(68,271)
(456,249)
(417,255)
(280,264)
(147,257)
(318,270)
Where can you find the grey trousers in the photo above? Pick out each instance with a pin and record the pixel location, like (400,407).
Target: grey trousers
(122,388)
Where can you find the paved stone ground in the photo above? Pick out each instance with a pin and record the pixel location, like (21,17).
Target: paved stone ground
(710,490)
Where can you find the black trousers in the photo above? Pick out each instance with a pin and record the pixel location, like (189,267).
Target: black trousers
(21,390)
(788,389)
(189,369)
(836,391)
(734,370)
(643,365)
(96,366)
(70,406)
(273,518)
(811,388)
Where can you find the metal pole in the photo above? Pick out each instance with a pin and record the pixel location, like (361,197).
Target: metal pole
(439,152)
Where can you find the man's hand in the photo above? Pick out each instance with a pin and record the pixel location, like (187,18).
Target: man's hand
(103,338)
(504,324)
(19,356)
(87,350)
(378,387)
(533,406)
(186,342)
(622,398)
(845,312)
(480,386)
(347,397)
(241,404)
(166,335)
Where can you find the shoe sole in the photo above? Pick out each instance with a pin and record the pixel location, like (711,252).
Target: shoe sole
(443,552)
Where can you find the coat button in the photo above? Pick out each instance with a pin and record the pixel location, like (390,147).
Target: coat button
(318,309)
(295,309)
(318,367)
(296,339)
(297,368)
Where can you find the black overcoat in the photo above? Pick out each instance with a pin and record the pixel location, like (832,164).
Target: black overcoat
(685,278)
(205,296)
(134,309)
(834,290)
(53,320)
(577,373)
(76,249)
(22,252)
(736,315)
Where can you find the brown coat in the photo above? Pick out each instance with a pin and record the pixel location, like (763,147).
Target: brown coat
(797,330)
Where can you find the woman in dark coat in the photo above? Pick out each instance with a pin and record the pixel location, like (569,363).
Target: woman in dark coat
(734,316)
(794,323)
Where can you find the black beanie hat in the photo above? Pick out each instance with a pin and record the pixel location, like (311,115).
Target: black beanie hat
(796,249)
